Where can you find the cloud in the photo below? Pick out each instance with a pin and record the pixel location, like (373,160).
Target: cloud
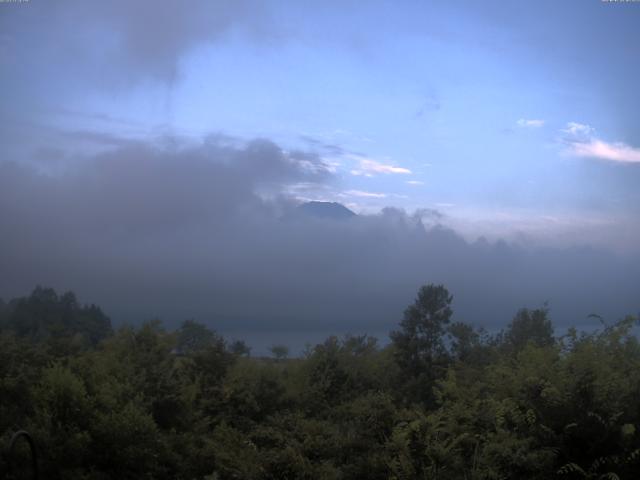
(139,41)
(96,138)
(523,122)
(198,231)
(151,187)
(414,182)
(614,152)
(360,193)
(325,147)
(578,130)
(369,167)
(582,142)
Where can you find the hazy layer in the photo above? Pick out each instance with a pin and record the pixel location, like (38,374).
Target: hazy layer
(202,232)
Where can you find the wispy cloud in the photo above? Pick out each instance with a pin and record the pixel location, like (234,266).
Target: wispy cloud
(582,142)
(614,152)
(364,194)
(576,129)
(369,167)
(414,182)
(530,123)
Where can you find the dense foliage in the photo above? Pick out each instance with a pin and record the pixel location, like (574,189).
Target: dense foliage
(442,400)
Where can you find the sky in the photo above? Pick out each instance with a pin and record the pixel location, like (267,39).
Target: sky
(150,152)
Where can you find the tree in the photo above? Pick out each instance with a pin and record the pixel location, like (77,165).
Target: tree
(240,348)
(529,326)
(464,340)
(280,352)
(194,337)
(419,346)
(44,315)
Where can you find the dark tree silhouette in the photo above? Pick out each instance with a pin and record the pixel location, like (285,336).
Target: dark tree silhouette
(529,326)
(419,345)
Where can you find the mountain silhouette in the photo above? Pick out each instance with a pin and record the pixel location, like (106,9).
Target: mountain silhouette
(330,210)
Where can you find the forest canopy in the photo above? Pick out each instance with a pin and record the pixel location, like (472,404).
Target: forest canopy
(441,400)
